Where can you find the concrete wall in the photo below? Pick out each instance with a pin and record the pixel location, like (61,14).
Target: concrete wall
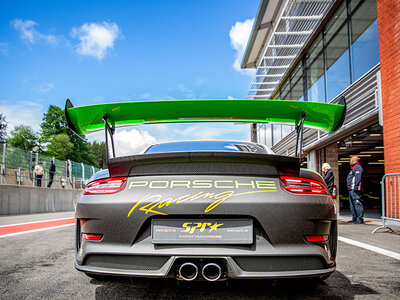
(28,200)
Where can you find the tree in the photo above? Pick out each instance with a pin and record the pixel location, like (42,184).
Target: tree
(23,137)
(3,128)
(100,154)
(54,123)
(60,147)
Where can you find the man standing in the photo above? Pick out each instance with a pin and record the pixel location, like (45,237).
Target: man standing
(355,185)
(52,171)
(328,177)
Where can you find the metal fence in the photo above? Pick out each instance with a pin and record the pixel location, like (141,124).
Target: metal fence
(17,167)
(390,187)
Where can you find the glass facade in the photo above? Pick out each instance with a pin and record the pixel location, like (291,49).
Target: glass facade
(346,48)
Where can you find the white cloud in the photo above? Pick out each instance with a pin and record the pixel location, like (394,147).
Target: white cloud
(239,35)
(200,81)
(96,39)
(186,92)
(231,98)
(203,131)
(30,35)
(44,87)
(132,141)
(4,48)
(22,113)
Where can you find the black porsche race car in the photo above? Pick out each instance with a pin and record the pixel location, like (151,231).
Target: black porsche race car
(208,210)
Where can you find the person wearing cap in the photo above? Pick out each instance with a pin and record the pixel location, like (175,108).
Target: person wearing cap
(329,177)
(355,185)
(39,173)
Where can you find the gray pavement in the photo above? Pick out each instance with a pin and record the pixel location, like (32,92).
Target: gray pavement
(40,265)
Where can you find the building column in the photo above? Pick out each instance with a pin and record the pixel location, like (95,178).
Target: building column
(330,155)
(389,41)
(312,160)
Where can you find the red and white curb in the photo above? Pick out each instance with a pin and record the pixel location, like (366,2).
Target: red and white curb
(16,229)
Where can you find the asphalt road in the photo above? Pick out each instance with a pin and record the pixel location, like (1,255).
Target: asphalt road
(40,265)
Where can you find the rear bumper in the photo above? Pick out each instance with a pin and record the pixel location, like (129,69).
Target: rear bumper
(261,260)
(230,267)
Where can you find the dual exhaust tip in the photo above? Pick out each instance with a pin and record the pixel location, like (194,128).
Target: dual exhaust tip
(189,271)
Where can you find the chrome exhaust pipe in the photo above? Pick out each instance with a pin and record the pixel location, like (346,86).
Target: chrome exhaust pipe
(188,271)
(212,272)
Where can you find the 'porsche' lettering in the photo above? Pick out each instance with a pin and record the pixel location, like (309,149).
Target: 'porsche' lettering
(265,184)
(162,184)
(251,183)
(134,184)
(203,184)
(198,184)
(219,184)
(175,183)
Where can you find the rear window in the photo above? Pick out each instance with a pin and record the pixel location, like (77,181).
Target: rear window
(207,146)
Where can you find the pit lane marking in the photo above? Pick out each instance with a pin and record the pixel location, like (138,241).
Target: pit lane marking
(68,218)
(370,247)
(16,229)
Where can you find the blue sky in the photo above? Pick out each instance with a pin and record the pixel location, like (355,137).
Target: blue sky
(108,51)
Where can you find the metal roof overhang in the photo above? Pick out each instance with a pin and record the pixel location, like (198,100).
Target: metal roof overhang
(267,13)
(273,50)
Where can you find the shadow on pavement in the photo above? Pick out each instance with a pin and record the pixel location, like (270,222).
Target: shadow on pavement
(337,286)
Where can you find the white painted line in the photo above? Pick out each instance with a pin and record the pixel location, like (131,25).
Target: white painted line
(371,248)
(38,221)
(35,230)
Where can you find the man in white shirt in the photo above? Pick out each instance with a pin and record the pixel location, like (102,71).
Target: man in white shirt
(39,173)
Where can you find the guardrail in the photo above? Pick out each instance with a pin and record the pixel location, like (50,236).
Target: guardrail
(390,188)
(17,168)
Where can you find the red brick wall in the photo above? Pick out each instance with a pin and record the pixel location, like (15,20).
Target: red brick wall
(389,50)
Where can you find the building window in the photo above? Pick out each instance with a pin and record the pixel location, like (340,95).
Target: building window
(315,73)
(277,133)
(338,64)
(328,67)
(337,21)
(364,38)
(316,80)
(285,92)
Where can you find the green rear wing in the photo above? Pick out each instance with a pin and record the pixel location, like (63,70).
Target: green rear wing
(91,118)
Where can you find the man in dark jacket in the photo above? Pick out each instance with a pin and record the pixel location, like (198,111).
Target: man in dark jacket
(355,185)
(52,171)
(328,177)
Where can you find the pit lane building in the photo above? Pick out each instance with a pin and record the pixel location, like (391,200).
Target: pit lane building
(319,50)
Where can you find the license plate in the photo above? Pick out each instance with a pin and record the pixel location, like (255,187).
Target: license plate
(194,231)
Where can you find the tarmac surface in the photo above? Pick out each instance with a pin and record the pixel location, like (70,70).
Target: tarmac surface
(39,264)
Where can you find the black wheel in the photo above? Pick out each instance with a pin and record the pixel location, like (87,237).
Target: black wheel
(333,239)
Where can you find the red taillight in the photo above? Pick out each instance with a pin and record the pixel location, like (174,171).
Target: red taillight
(105,186)
(304,185)
(92,237)
(316,238)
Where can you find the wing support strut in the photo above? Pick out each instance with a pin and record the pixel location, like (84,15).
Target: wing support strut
(299,136)
(109,130)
